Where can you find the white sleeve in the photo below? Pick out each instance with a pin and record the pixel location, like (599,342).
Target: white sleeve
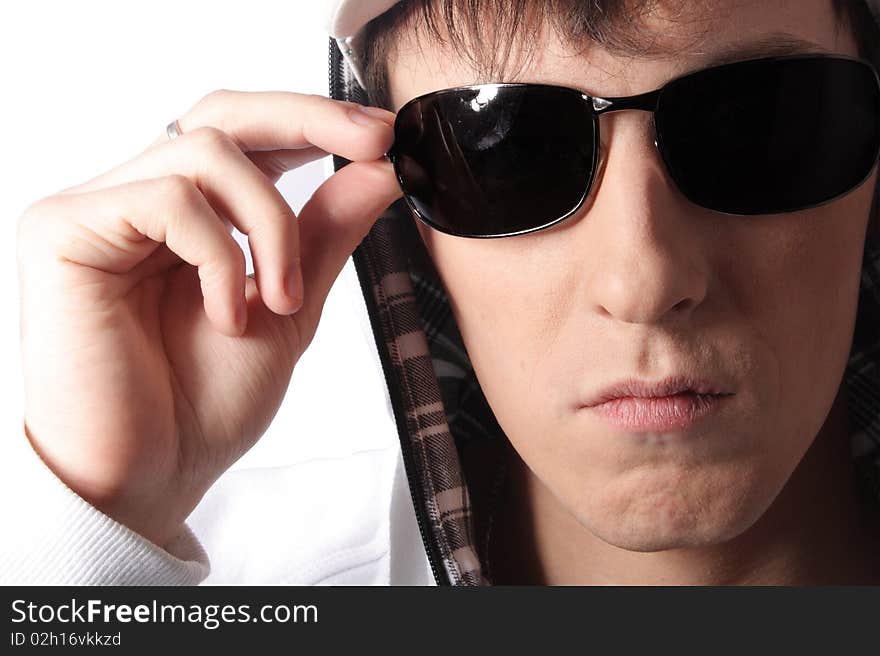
(52,536)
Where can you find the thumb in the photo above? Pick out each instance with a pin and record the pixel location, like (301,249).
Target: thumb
(336,219)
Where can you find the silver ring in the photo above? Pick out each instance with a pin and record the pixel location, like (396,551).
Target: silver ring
(173,130)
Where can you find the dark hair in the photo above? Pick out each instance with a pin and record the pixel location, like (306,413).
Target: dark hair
(615,25)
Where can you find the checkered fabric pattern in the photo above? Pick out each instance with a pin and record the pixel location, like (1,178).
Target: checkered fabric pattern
(438,480)
(862,375)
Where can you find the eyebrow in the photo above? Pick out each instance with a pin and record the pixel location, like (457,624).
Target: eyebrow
(775,44)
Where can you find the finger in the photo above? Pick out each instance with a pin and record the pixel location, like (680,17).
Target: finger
(239,192)
(335,220)
(272,120)
(275,163)
(115,229)
(277,120)
(283,120)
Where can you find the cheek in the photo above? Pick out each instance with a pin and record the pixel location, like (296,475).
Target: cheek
(507,300)
(794,286)
(778,317)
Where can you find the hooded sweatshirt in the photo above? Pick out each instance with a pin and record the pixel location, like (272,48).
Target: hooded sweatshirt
(390,507)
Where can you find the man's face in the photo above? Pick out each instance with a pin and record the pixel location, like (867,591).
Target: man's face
(642,283)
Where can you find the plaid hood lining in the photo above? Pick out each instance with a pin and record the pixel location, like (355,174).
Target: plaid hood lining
(439,406)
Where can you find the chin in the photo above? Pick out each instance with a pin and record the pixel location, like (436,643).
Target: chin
(676,511)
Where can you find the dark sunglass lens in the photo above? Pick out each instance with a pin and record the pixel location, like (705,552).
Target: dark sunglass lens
(764,137)
(494,159)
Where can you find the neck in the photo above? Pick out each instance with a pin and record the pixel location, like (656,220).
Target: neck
(816,532)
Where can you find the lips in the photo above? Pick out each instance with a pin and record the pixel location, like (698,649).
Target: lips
(670,404)
(636,388)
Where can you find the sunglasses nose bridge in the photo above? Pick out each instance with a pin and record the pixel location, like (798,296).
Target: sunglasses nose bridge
(646,102)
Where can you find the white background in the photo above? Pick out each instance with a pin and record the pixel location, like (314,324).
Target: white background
(89,84)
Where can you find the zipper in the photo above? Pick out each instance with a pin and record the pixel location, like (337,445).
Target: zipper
(338,92)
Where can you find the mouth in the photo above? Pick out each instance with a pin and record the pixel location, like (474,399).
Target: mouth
(671,404)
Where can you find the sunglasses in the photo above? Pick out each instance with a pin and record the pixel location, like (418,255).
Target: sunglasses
(760,136)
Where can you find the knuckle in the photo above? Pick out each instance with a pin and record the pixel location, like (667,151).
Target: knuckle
(278,216)
(227,264)
(178,189)
(211,138)
(32,210)
(211,144)
(181,198)
(33,216)
(215,97)
(211,273)
(313,99)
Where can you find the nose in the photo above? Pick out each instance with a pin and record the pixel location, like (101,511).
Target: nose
(650,261)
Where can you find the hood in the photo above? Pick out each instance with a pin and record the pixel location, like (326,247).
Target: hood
(450,440)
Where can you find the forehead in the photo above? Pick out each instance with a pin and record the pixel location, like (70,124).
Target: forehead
(679,36)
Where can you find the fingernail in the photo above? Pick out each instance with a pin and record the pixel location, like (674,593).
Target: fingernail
(293,284)
(371,116)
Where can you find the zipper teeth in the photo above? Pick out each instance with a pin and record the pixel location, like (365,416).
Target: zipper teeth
(337,91)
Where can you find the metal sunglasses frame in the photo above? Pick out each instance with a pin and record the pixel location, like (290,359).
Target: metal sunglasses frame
(647,101)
